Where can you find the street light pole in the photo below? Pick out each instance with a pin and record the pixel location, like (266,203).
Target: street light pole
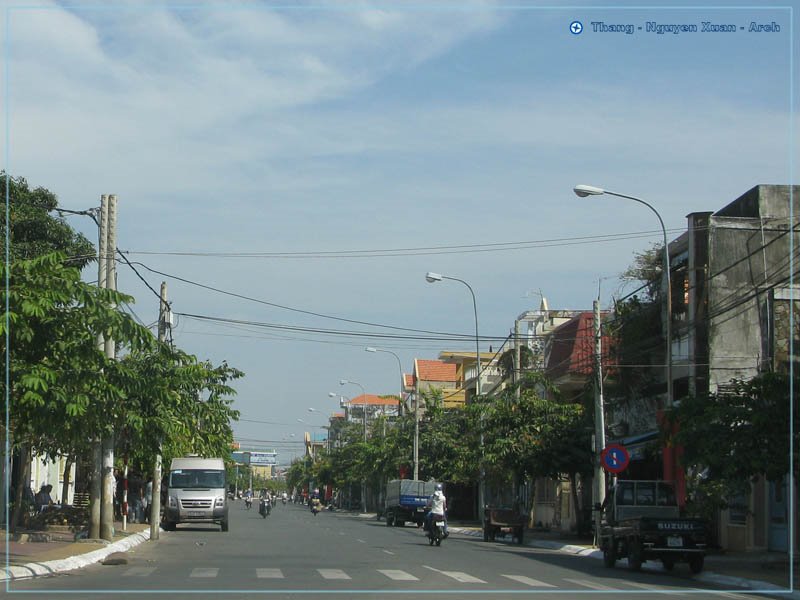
(588,190)
(399,366)
(363,482)
(431,277)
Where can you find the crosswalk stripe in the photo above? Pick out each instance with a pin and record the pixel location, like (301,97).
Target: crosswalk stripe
(591,585)
(138,571)
(528,581)
(204,572)
(462,577)
(269,574)
(398,575)
(457,575)
(333,574)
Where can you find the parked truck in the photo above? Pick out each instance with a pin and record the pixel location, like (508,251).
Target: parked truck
(641,521)
(405,501)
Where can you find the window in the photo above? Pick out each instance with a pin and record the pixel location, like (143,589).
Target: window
(666,495)
(625,494)
(646,494)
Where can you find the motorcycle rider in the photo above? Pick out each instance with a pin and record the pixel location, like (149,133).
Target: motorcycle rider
(437,503)
(248,498)
(267,498)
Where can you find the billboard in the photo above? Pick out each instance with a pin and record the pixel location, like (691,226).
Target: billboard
(263,458)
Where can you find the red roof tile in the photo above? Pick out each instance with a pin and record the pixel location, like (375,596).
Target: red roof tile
(572,347)
(434,370)
(373,400)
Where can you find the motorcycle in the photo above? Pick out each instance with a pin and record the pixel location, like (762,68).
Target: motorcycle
(248,503)
(283,501)
(436,531)
(264,507)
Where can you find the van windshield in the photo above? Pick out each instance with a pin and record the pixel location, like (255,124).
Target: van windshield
(197,478)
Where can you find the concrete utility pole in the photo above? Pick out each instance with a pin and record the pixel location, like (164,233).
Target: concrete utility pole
(416,435)
(107,506)
(155,498)
(517,360)
(96,490)
(599,422)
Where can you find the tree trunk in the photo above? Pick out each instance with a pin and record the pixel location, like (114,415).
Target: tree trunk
(22,483)
(65,486)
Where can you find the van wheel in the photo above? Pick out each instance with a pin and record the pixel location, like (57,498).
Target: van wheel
(223,526)
(668,562)
(169,526)
(389,520)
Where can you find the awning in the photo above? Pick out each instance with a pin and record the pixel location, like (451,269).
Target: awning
(635,444)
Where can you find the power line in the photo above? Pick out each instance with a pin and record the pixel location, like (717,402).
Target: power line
(297,310)
(417,251)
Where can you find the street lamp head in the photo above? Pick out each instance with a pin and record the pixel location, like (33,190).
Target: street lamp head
(588,190)
(370,349)
(432,277)
(343,381)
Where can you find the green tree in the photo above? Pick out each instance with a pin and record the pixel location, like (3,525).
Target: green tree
(506,361)
(34,231)
(56,398)
(174,403)
(537,435)
(736,435)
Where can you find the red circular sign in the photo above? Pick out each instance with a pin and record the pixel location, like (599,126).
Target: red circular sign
(615,458)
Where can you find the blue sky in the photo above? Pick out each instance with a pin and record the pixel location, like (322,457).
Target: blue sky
(228,127)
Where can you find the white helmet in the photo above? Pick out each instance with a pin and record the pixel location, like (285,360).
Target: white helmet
(438,487)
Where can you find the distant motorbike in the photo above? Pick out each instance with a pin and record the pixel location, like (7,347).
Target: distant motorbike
(315,508)
(283,501)
(248,503)
(436,531)
(264,507)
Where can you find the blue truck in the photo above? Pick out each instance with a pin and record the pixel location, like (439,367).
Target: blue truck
(405,501)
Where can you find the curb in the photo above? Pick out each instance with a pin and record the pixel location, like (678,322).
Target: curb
(37,569)
(705,577)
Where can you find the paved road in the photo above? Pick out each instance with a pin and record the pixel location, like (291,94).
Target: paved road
(294,554)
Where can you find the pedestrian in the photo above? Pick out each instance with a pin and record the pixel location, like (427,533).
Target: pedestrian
(43,499)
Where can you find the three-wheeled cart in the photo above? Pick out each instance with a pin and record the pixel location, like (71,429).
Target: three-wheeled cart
(503,521)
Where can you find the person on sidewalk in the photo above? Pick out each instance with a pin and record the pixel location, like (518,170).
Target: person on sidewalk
(43,499)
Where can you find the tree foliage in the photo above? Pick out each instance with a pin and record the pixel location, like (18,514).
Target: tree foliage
(740,433)
(34,231)
(537,435)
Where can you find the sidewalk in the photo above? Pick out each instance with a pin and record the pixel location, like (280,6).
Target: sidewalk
(763,571)
(34,553)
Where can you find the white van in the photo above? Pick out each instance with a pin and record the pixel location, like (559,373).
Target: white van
(196,492)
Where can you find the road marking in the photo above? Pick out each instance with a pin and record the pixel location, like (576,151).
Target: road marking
(591,585)
(644,586)
(138,571)
(457,575)
(204,572)
(269,573)
(362,541)
(398,575)
(389,552)
(528,581)
(333,574)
